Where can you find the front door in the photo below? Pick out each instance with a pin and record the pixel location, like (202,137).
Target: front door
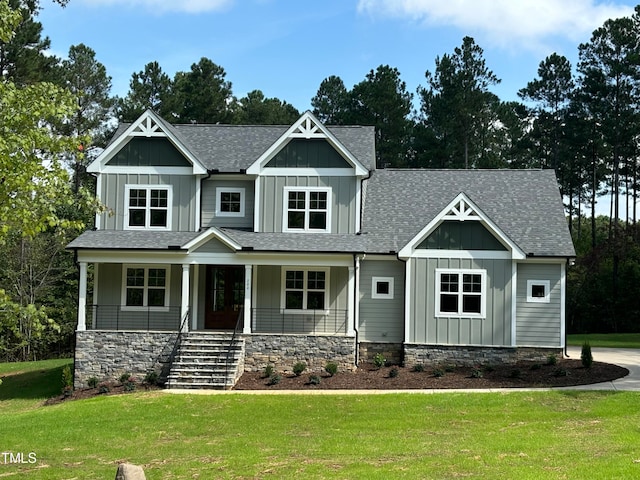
(225,296)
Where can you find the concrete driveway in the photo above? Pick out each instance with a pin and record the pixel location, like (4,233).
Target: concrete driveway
(628,358)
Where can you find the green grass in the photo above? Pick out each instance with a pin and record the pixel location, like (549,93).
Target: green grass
(611,340)
(526,435)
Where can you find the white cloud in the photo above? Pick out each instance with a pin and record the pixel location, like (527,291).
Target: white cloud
(163,6)
(506,23)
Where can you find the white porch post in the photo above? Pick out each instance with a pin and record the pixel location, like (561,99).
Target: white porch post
(82,298)
(248,282)
(184,305)
(351,301)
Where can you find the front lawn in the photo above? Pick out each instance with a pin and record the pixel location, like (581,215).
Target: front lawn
(611,340)
(527,435)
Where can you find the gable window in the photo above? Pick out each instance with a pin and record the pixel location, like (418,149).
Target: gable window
(382,287)
(230,202)
(305,289)
(461,293)
(145,287)
(307,209)
(148,207)
(538,291)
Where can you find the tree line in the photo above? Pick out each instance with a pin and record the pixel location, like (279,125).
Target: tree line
(583,121)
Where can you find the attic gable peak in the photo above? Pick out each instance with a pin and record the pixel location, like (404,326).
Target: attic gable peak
(307,128)
(461,210)
(147,126)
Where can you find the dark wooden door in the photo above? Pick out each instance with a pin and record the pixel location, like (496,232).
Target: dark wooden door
(225,296)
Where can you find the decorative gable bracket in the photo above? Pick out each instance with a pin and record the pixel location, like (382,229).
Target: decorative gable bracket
(307,129)
(461,211)
(147,127)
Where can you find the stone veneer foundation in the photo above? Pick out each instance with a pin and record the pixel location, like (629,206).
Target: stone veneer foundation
(284,351)
(108,354)
(458,355)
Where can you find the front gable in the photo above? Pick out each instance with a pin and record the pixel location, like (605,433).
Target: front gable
(461,226)
(143,146)
(300,147)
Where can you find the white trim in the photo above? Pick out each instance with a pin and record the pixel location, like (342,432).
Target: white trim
(184,295)
(220,191)
(257,205)
(514,303)
(356,313)
(254,293)
(463,254)
(198,212)
(460,293)
(148,170)
(96,277)
(307,208)
(374,287)
(196,297)
(358,226)
(305,288)
(248,297)
(351,300)
(470,212)
(98,221)
(148,188)
(542,283)
(307,172)
(407,301)
(145,300)
(208,234)
(307,126)
(563,303)
(82,298)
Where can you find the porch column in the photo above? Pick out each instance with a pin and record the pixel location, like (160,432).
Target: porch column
(82,298)
(184,305)
(351,302)
(248,282)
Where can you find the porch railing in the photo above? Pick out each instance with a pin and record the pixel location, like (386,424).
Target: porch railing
(314,322)
(115,317)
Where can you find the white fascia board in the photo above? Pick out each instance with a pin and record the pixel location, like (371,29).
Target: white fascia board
(158,257)
(308,172)
(319,131)
(409,250)
(211,232)
(157,170)
(99,164)
(463,254)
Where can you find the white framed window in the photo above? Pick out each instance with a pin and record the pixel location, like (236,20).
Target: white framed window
(538,291)
(382,287)
(148,207)
(145,287)
(461,293)
(230,202)
(305,289)
(307,209)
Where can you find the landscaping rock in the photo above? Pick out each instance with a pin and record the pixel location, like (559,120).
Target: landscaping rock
(126,471)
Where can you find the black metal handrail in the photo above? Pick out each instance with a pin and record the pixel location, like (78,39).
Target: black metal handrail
(314,322)
(230,346)
(121,317)
(176,344)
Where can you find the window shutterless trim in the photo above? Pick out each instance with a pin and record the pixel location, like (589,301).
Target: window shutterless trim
(147,207)
(305,289)
(146,287)
(460,293)
(306,209)
(546,284)
(374,288)
(220,191)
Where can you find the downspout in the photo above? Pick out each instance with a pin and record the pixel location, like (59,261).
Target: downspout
(356,315)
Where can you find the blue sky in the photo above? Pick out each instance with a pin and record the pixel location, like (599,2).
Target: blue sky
(287,47)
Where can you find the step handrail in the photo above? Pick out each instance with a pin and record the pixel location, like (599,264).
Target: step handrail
(231,342)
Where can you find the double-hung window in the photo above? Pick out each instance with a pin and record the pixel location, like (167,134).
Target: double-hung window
(305,289)
(307,209)
(461,293)
(145,287)
(147,207)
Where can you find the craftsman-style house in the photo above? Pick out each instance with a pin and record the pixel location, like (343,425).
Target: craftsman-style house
(226,248)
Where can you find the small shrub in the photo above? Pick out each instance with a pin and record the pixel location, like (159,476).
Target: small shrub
(129,386)
(92,382)
(124,378)
(393,373)
(438,372)
(331,368)
(67,380)
(103,388)
(151,378)
(268,371)
(552,359)
(477,373)
(298,368)
(450,368)
(379,360)
(314,380)
(274,379)
(586,356)
(418,367)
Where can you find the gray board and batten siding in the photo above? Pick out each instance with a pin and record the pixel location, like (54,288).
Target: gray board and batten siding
(209,198)
(537,322)
(381,319)
(183,208)
(493,330)
(147,152)
(343,200)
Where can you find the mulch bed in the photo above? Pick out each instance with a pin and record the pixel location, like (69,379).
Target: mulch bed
(566,372)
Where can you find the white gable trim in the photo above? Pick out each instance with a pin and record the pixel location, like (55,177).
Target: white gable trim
(307,126)
(149,124)
(211,233)
(462,209)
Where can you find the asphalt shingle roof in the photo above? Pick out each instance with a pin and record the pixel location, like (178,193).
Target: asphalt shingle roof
(131,240)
